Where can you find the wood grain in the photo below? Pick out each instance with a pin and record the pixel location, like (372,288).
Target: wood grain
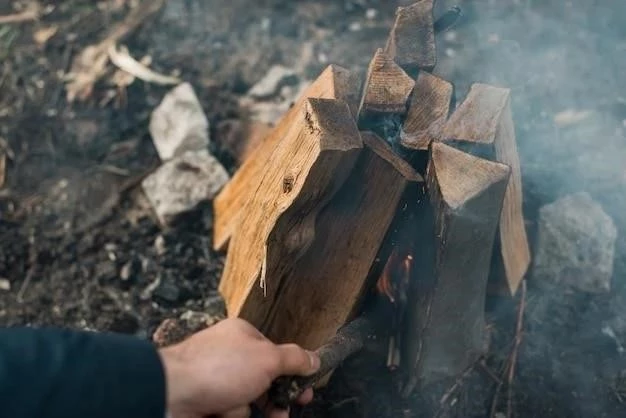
(305,170)
(483,126)
(333,83)
(387,87)
(411,42)
(429,108)
(445,324)
(330,279)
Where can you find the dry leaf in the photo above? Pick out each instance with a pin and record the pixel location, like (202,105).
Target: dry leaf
(122,59)
(90,65)
(43,35)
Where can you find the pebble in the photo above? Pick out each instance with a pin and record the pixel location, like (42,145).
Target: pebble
(105,270)
(167,291)
(270,85)
(131,269)
(182,183)
(575,244)
(178,124)
(355,27)
(5,285)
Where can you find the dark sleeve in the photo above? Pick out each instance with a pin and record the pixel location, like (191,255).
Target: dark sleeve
(60,373)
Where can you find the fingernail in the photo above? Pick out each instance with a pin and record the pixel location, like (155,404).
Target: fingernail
(315,360)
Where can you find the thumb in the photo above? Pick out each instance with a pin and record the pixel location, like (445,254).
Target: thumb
(242,412)
(294,360)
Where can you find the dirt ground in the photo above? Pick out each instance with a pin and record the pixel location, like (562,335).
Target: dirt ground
(80,247)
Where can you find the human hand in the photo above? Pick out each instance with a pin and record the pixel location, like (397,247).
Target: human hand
(223,369)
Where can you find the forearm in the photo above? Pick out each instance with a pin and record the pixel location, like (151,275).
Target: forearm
(60,373)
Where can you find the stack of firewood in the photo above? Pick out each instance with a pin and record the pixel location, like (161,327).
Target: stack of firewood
(379,186)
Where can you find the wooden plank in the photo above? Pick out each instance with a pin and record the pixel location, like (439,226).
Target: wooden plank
(429,108)
(483,126)
(307,167)
(445,321)
(321,293)
(333,83)
(411,42)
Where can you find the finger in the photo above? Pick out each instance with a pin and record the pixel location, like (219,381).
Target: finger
(242,412)
(306,397)
(294,360)
(278,413)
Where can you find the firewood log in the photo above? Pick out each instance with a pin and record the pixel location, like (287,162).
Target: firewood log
(387,88)
(411,42)
(334,83)
(329,282)
(429,109)
(483,126)
(308,166)
(445,318)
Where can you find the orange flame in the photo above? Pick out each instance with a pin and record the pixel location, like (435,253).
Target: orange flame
(395,276)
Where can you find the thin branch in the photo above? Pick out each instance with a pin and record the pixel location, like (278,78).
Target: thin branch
(518,340)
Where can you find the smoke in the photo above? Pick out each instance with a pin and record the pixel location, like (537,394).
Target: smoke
(564,62)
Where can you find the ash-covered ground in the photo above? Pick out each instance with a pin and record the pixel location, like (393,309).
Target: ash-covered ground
(80,247)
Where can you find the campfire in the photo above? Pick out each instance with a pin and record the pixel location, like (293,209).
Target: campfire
(377,207)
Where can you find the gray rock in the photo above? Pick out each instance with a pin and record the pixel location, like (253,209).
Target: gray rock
(179,124)
(183,182)
(167,292)
(5,284)
(277,77)
(198,320)
(575,244)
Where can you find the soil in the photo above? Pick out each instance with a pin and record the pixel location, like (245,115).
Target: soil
(81,248)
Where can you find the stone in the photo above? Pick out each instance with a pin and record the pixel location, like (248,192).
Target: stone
(131,269)
(105,270)
(175,330)
(277,77)
(575,244)
(167,291)
(5,285)
(182,183)
(179,124)
(198,320)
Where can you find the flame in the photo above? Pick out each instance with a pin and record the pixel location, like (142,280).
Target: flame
(394,279)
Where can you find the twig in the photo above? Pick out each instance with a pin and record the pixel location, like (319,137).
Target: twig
(509,368)
(518,340)
(91,64)
(28,15)
(348,340)
(489,372)
(457,384)
(32,260)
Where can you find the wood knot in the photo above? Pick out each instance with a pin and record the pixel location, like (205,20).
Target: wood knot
(288,183)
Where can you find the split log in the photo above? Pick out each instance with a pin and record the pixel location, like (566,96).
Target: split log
(334,83)
(483,126)
(445,322)
(308,166)
(331,279)
(429,109)
(411,42)
(387,88)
